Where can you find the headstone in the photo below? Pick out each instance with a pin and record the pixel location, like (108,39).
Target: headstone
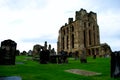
(56,58)
(17,52)
(44,56)
(45,45)
(70,54)
(83,57)
(60,59)
(30,53)
(76,55)
(49,48)
(94,56)
(23,53)
(47,54)
(53,51)
(8,52)
(115,64)
(53,58)
(64,56)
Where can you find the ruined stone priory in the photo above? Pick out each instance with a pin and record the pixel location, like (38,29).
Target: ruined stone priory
(81,33)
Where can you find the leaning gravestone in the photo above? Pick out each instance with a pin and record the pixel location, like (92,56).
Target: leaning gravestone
(8,52)
(115,64)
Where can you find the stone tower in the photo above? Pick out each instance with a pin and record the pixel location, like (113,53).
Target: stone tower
(79,34)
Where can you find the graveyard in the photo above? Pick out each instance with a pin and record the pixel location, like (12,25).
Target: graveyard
(28,69)
(45,64)
(89,60)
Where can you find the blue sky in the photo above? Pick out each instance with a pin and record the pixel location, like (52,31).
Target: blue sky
(30,22)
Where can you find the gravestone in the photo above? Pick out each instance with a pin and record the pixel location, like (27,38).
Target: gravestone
(83,56)
(56,58)
(115,64)
(64,56)
(76,55)
(53,58)
(44,56)
(94,56)
(23,53)
(17,52)
(8,52)
(53,51)
(29,53)
(49,48)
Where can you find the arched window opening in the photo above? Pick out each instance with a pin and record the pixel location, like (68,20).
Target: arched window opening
(84,35)
(72,28)
(89,37)
(67,30)
(67,42)
(63,42)
(72,40)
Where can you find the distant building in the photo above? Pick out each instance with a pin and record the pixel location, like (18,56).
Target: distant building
(79,34)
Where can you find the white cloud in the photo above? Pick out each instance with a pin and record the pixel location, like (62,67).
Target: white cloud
(109,28)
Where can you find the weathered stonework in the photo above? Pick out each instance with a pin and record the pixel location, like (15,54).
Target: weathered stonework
(79,34)
(38,48)
(105,50)
(36,51)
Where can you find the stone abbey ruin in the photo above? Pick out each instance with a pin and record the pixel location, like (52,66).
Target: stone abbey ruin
(82,33)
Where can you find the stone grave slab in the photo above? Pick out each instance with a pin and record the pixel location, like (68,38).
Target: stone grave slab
(19,63)
(11,78)
(82,72)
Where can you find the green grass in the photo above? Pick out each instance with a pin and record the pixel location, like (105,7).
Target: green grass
(32,70)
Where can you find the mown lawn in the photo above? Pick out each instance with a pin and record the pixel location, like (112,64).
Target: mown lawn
(32,70)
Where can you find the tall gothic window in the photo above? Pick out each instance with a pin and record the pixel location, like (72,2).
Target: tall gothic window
(72,40)
(89,24)
(72,28)
(67,42)
(67,30)
(94,38)
(84,35)
(63,42)
(63,32)
(85,24)
(89,37)
(94,28)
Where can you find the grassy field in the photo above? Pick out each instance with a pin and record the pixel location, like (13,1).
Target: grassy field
(32,70)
